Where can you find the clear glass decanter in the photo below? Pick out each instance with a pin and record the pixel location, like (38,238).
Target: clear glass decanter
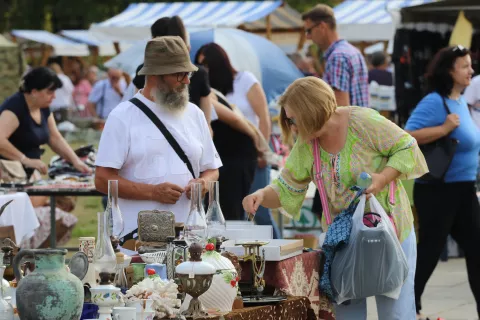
(120,280)
(195,229)
(115,217)
(215,220)
(104,257)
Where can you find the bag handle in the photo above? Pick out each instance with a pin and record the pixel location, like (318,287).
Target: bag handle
(318,177)
(445,106)
(171,140)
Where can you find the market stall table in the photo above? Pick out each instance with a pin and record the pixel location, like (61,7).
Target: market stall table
(294,308)
(296,276)
(53,191)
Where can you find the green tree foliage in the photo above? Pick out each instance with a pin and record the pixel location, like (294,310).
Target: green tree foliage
(56,15)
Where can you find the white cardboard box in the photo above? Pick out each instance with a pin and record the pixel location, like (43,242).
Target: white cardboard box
(275,250)
(237,232)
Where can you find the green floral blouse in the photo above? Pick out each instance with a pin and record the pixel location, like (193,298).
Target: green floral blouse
(373,142)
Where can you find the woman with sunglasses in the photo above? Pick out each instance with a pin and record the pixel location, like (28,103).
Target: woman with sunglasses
(350,140)
(449,206)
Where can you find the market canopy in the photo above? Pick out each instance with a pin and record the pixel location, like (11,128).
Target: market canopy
(369,20)
(443,12)
(135,21)
(61,46)
(106,48)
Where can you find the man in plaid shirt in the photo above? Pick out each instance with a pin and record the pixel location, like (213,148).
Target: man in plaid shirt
(345,68)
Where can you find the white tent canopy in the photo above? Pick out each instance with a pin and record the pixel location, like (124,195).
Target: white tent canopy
(61,46)
(106,48)
(135,21)
(369,20)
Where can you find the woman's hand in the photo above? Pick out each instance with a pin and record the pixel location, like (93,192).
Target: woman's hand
(379,181)
(82,167)
(252,202)
(35,164)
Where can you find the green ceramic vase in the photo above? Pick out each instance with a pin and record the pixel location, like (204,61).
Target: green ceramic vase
(50,291)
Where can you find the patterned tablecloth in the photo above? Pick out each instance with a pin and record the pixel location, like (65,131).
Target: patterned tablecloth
(294,308)
(297,276)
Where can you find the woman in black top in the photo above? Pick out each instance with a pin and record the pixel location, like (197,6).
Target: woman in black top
(26,123)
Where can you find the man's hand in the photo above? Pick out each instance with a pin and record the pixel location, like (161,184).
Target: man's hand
(188,188)
(167,193)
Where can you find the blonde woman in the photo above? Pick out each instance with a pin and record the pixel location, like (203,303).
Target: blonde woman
(351,140)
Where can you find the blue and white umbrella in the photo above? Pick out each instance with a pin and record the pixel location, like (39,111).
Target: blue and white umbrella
(247,52)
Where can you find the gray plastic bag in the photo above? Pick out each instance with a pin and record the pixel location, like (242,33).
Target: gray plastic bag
(373,263)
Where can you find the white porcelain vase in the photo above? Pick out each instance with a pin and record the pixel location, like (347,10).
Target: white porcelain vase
(221,294)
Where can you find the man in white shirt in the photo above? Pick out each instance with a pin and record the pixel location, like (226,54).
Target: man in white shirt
(106,94)
(134,151)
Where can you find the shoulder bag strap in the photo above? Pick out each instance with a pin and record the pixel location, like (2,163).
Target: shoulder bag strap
(171,140)
(321,186)
(445,106)
(319,181)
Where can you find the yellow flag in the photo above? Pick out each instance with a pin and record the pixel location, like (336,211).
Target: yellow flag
(462,32)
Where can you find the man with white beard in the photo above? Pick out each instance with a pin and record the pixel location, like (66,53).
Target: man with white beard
(135,151)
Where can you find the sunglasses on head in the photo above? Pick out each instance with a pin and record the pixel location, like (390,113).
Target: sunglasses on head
(459,49)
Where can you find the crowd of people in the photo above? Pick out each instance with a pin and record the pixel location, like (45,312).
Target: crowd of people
(181,122)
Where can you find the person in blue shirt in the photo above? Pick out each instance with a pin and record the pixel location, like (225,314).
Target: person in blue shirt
(450,206)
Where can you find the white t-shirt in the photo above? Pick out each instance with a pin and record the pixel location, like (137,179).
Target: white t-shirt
(472,96)
(472,92)
(63,95)
(242,83)
(131,143)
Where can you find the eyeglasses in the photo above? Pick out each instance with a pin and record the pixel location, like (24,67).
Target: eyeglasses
(181,75)
(291,121)
(309,30)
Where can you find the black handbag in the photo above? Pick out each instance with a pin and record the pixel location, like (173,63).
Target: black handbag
(438,155)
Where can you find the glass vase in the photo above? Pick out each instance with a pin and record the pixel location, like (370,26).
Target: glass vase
(104,255)
(215,220)
(195,230)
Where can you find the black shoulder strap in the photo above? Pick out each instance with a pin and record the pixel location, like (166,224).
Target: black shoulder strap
(171,140)
(445,105)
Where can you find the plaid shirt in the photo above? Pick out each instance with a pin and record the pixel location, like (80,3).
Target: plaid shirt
(346,70)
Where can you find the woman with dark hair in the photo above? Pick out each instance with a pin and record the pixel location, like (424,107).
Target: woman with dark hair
(244,91)
(450,206)
(26,123)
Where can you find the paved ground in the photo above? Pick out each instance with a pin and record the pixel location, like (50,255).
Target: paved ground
(447,295)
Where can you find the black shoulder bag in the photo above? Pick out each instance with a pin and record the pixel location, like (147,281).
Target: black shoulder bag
(171,140)
(438,155)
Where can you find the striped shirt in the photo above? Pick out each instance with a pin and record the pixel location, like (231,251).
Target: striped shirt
(346,70)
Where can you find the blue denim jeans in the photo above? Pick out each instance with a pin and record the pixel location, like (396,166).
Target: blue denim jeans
(263,215)
(387,308)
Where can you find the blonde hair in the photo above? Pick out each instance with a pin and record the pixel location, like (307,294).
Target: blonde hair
(313,102)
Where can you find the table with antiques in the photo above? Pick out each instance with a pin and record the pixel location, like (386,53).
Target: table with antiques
(53,190)
(295,274)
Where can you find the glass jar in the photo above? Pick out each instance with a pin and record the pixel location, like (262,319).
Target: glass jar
(215,220)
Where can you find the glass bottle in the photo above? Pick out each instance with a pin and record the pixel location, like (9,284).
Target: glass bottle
(215,220)
(120,280)
(115,217)
(104,257)
(195,229)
